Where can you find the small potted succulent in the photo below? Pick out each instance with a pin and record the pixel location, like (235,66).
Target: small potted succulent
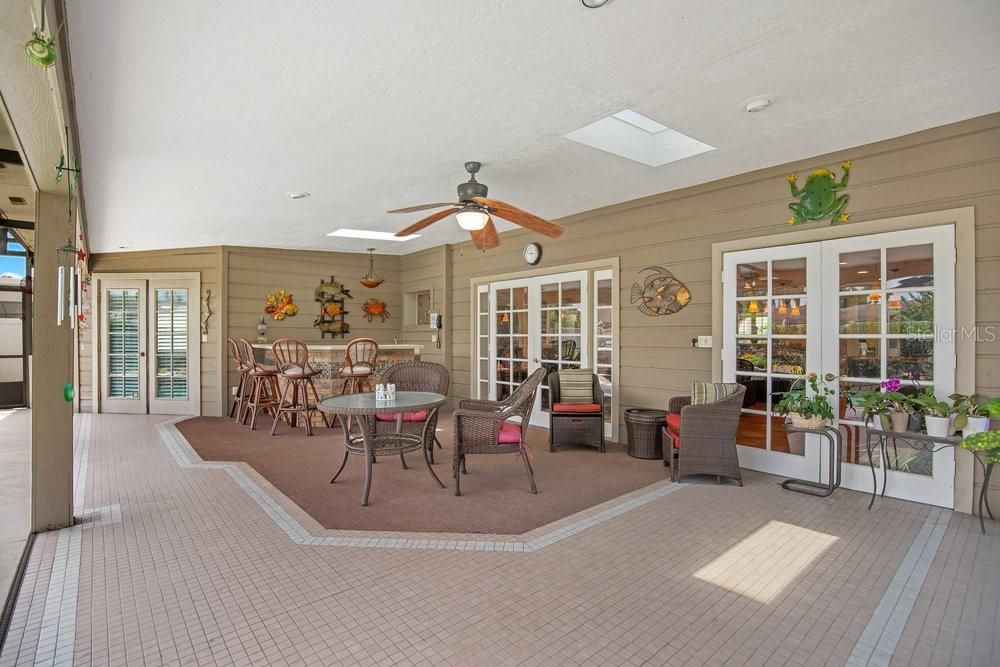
(808,407)
(974,412)
(937,414)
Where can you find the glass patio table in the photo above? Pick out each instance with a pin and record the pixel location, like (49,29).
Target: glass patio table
(363,410)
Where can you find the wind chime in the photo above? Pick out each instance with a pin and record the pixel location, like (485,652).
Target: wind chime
(69,279)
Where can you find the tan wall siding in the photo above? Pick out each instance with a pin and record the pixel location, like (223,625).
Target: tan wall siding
(253,273)
(419,271)
(205,261)
(948,167)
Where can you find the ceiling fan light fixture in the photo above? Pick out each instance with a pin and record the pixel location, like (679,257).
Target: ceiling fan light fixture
(472,218)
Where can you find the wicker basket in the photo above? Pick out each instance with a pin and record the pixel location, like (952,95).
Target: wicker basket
(798,421)
(645,438)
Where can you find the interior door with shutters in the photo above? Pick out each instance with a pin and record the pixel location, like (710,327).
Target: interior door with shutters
(173,327)
(122,346)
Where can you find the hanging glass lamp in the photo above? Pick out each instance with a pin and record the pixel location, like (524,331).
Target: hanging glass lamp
(371,279)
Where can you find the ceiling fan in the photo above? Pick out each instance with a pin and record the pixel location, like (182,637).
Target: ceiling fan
(473,210)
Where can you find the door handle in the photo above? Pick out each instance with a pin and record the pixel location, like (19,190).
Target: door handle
(142,354)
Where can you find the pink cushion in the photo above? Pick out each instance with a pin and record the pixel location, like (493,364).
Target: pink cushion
(576,407)
(510,434)
(418,416)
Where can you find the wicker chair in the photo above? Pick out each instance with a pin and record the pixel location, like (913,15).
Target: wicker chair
(360,360)
(575,424)
(243,386)
(704,437)
(482,427)
(415,376)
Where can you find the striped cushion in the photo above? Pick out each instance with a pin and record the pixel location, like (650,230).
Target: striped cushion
(576,386)
(711,392)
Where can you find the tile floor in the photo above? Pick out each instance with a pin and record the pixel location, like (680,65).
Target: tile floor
(178,561)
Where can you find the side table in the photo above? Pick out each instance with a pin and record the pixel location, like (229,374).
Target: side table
(836,455)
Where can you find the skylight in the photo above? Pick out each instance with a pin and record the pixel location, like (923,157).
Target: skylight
(631,135)
(366,234)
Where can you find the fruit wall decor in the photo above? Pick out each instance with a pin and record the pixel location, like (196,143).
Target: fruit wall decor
(281,305)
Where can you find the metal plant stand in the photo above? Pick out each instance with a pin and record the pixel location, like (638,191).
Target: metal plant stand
(819,489)
(928,443)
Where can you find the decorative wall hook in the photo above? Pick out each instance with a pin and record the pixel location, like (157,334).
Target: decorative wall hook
(208,313)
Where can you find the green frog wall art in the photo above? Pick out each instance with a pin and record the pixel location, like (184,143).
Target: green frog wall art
(818,200)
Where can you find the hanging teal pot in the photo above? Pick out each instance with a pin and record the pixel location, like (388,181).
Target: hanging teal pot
(69,393)
(41,51)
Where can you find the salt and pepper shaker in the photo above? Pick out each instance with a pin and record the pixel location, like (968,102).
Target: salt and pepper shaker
(380,392)
(391,392)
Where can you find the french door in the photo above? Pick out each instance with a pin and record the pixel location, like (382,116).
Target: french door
(862,309)
(148,346)
(532,323)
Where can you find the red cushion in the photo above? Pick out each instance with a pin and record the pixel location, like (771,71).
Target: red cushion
(418,416)
(674,427)
(576,407)
(510,434)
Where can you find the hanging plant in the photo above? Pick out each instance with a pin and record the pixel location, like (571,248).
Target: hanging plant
(280,305)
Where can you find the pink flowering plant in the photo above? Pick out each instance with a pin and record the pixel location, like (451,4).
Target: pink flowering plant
(897,401)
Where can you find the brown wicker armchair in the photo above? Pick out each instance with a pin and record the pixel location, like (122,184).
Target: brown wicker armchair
(704,437)
(415,376)
(482,427)
(575,424)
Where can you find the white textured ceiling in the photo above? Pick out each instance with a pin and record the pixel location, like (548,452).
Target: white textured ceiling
(197,117)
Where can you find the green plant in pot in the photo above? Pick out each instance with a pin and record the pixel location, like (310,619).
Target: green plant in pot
(809,407)
(984,441)
(974,412)
(875,408)
(937,413)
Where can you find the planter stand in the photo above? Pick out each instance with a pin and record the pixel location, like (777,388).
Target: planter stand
(836,446)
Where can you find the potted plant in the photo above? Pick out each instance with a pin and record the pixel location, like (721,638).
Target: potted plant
(974,412)
(875,408)
(937,413)
(900,405)
(808,407)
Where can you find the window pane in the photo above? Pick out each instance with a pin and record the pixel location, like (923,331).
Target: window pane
(570,348)
(788,356)
(519,348)
(604,295)
(789,316)
(912,266)
(788,276)
(550,347)
(519,323)
(503,347)
(860,315)
(756,394)
(519,298)
(550,321)
(751,355)
(751,279)
(503,299)
(569,319)
(751,320)
(910,358)
(571,293)
(860,271)
(503,322)
(604,320)
(860,358)
(910,312)
(550,295)
(752,430)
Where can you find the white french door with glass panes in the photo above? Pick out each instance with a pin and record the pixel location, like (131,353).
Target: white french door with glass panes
(862,309)
(148,349)
(540,322)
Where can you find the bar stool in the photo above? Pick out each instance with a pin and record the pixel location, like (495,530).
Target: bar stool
(263,387)
(359,365)
(292,358)
(243,386)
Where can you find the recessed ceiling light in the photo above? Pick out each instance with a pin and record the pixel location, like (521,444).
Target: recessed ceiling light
(756,104)
(367,234)
(297,195)
(631,135)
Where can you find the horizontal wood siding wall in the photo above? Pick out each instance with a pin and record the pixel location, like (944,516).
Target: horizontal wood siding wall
(947,167)
(252,273)
(418,271)
(205,261)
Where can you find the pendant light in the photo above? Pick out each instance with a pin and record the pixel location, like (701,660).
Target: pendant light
(753,307)
(371,279)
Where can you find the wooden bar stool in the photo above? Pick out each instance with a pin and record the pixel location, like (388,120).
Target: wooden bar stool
(292,358)
(359,365)
(243,386)
(263,387)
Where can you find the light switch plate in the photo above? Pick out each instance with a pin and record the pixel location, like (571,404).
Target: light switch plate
(704,341)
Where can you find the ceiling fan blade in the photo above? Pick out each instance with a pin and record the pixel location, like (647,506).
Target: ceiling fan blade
(421,207)
(425,222)
(487,238)
(520,217)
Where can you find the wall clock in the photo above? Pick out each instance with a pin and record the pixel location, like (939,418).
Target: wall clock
(532,253)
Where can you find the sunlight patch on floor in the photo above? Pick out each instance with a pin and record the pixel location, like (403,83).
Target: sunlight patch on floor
(767,561)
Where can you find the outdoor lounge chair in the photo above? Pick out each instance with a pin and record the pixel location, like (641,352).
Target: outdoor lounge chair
(703,436)
(580,423)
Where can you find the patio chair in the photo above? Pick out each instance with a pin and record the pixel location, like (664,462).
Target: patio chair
(576,422)
(243,386)
(483,427)
(703,434)
(415,376)
(263,390)
(292,358)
